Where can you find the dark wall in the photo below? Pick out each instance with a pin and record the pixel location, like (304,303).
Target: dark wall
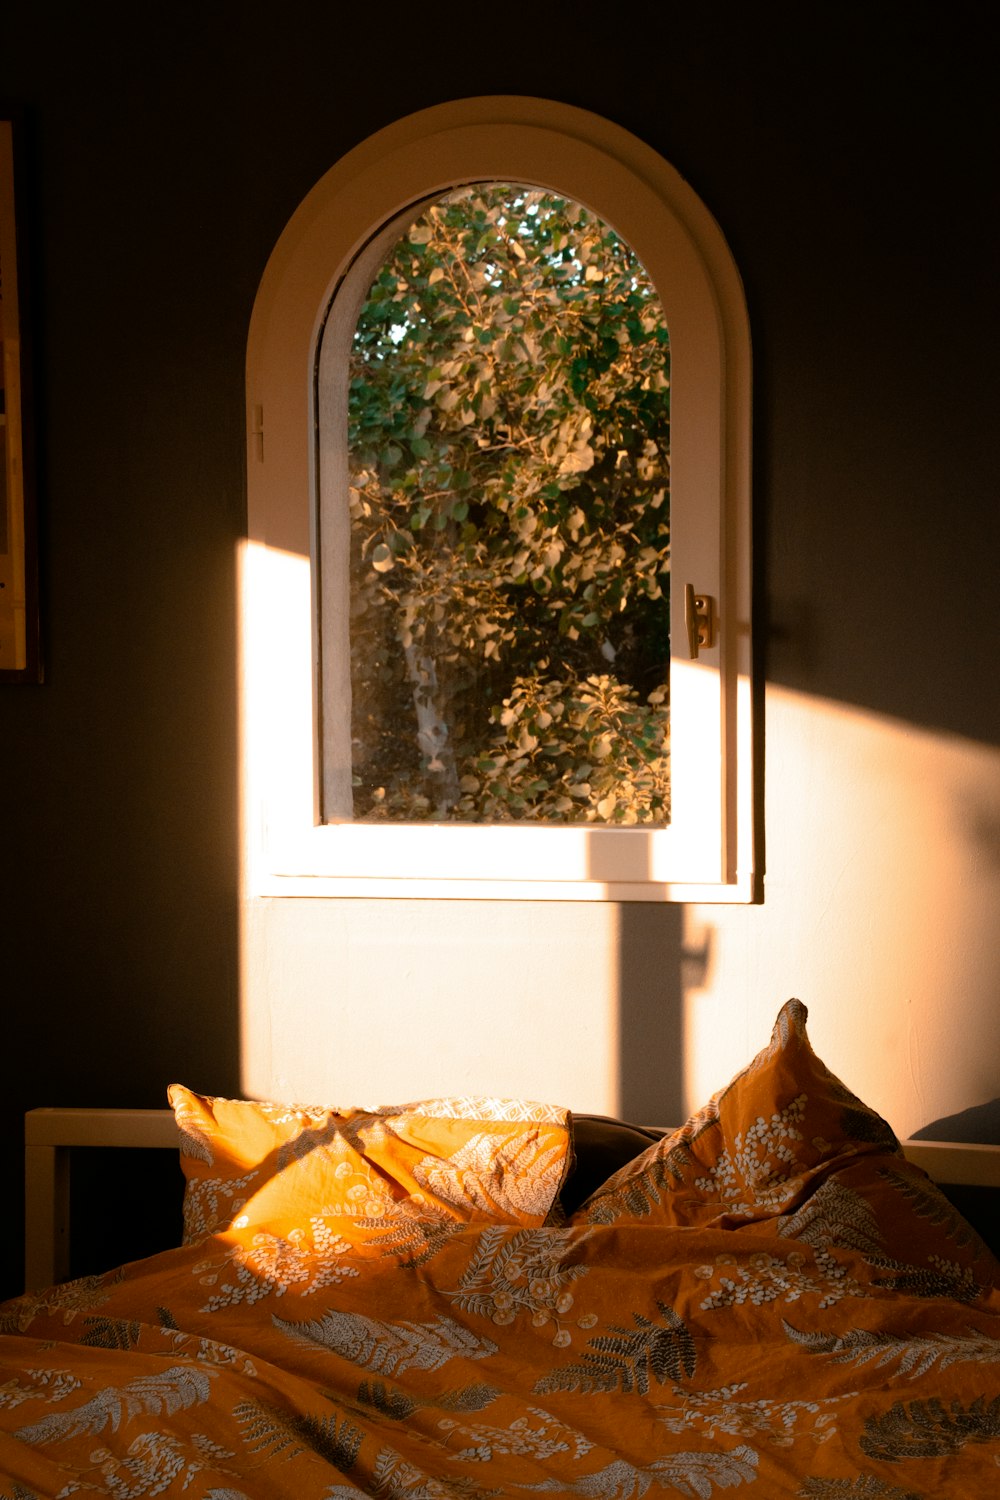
(848,153)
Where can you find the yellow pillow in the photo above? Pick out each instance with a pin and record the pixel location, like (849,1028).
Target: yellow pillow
(291,1169)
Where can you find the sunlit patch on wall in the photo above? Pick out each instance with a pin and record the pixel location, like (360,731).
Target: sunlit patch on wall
(882,904)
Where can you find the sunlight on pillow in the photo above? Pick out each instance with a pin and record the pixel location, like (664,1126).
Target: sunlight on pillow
(282,1169)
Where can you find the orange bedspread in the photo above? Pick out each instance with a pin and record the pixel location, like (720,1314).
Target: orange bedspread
(771,1302)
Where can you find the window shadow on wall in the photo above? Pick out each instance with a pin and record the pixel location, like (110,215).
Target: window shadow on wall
(650,1013)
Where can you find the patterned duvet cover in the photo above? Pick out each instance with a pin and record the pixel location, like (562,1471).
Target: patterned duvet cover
(390,1303)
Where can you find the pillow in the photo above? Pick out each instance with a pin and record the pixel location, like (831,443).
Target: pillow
(787,1151)
(754,1149)
(288,1169)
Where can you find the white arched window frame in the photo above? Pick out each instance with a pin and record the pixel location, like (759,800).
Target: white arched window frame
(295,561)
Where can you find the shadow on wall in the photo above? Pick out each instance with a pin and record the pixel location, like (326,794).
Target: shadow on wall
(978,1125)
(982,822)
(653,972)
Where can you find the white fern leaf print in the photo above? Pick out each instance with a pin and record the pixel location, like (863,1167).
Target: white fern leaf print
(696,1475)
(519,1175)
(395,1478)
(532,1183)
(174,1390)
(617,1481)
(916,1354)
(195,1144)
(459,1181)
(390,1348)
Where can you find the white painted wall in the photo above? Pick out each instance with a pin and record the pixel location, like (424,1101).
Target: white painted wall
(357,1001)
(881,912)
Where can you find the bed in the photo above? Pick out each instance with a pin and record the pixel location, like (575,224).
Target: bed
(458,1298)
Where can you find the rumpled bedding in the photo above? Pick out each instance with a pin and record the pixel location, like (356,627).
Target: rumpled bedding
(769,1301)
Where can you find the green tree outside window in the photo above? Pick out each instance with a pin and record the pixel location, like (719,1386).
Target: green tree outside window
(509,425)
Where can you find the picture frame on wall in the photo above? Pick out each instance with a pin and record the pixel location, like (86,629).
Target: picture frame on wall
(20,653)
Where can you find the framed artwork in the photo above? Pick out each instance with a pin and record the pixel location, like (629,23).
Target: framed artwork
(20,656)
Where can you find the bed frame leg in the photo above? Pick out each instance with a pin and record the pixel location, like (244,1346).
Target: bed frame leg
(46,1213)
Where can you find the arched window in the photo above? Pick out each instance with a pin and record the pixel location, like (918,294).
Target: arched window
(498,385)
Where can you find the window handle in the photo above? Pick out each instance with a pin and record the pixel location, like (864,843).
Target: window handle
(699,617)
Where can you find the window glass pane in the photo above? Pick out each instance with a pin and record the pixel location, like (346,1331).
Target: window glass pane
(508,454)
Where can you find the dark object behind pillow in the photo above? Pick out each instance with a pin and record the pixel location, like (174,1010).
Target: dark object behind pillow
(601,1145)
(119,1216)
(978,1206)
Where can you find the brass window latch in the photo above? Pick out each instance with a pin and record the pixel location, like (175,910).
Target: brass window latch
(700,619)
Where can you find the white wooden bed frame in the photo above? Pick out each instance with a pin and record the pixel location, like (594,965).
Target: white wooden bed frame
(51,1134)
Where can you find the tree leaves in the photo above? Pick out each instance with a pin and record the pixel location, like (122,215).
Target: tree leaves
(575,751)
(509,447)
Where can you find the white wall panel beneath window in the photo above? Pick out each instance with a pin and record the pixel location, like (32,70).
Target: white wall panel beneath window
(373,1002)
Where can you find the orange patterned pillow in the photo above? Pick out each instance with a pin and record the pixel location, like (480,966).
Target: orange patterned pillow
(754,1150)
(786,1148)
(282,1168)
